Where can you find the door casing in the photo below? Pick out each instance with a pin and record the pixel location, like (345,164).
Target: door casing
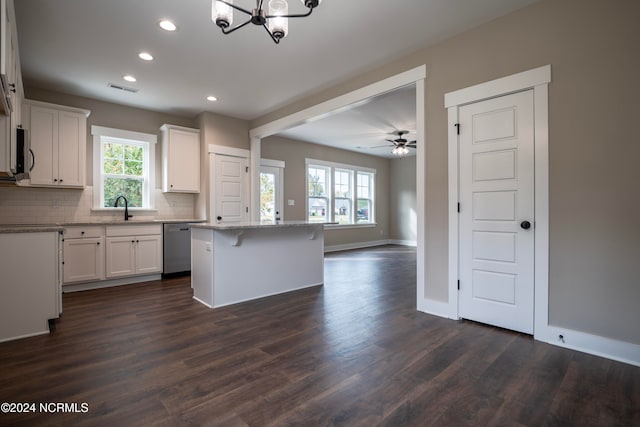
(538,80)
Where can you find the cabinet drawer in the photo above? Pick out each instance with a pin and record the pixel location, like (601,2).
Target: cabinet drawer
(83,232)
(133,230)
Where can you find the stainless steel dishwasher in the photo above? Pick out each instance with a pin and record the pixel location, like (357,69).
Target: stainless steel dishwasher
(177,249)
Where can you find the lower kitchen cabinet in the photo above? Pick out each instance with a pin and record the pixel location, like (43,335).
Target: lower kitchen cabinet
(30,290)
(129,255)
(83,254)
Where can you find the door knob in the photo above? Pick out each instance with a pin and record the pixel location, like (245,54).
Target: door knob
(525,225)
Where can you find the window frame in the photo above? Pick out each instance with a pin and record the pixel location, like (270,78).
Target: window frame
(146,141)
(353,198)
(328,191)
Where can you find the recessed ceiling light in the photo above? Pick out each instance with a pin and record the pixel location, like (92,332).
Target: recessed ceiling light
(129,78)
(211,98)
(167,25)
(145,56)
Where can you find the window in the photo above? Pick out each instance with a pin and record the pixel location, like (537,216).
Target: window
(123,166)
(318,191)
(365,197)
(334,196)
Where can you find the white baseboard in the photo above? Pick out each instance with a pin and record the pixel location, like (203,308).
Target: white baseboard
(403,242)
(437,308)
(76,287)
(593,344)
(356,245)
(620,351)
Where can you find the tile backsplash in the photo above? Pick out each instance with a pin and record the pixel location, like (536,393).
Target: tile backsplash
(25,205)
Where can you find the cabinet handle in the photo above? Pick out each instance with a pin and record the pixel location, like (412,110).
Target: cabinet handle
(55,180)
(60,180)
(137,241)
(33,160)
(133,241)
(97,243)
(82,232)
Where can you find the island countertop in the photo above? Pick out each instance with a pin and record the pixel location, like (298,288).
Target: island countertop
(258,225)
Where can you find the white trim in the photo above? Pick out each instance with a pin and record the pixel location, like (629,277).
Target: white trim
(82,111)
(536,79)
(229,151)
(124,134)
(499,87)
(109,283)
(436,308)
(355,168)
(421,226)
(356,245)
(19,337)
(412,243)
(593,344)
(345,101)
(254,179)
(359,225)
(272,163)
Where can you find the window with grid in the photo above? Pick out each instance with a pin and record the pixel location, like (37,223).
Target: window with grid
(340,193)
(343,196)
(365,198)
(318,190)
(123,166)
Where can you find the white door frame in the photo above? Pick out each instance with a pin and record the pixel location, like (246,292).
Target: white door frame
(344,102)
(537,79)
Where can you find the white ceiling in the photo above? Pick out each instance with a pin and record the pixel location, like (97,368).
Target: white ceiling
(79,46)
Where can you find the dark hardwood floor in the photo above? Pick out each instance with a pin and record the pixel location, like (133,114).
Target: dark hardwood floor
(354,352)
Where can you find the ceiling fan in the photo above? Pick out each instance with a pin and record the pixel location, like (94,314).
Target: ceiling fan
(400,145)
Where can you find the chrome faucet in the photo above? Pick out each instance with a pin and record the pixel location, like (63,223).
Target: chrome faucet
(126,207)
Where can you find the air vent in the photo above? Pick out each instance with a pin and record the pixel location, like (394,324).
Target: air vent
(126,89)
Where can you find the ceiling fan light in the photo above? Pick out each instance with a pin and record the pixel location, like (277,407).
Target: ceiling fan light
(222,13)
(279,26)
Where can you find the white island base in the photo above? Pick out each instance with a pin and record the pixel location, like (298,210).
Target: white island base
(241,262)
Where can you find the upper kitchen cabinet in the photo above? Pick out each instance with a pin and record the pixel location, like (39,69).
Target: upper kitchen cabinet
(180,159)
(11,90)
(58,137)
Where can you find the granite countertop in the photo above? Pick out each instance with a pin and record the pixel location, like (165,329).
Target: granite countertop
(29,228)
(257,224)
(35,228)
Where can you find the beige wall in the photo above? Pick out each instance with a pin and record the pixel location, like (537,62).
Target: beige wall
(592,46)
(402,199)
(217,130)
(294,153)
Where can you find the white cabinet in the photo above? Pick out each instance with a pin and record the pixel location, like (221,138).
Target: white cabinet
(58,141)
(133,250)
(180,159)
(11,91)
(83,254)
(30,291)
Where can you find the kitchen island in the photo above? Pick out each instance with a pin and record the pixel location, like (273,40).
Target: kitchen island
(231,263)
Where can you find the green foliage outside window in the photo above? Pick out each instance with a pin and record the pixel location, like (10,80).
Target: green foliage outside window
(123,170)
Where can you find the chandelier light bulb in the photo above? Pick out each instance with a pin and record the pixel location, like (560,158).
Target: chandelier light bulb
(278,26)
(222,13)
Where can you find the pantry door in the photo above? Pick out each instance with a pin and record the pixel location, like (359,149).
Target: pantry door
(496,220)
(230,189)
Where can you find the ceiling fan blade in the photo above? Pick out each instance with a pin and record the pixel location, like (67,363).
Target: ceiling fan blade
(376,146)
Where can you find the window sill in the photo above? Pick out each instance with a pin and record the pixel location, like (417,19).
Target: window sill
(342,226)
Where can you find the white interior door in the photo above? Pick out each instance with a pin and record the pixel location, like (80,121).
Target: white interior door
(496,212)
(231,189)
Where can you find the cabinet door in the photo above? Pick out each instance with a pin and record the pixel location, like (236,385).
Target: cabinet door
(83,260)
(43,127)
(71,158)
(120,256)
(148,254)
(183,161)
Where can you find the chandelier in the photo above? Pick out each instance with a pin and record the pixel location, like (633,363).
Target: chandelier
(275,20)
